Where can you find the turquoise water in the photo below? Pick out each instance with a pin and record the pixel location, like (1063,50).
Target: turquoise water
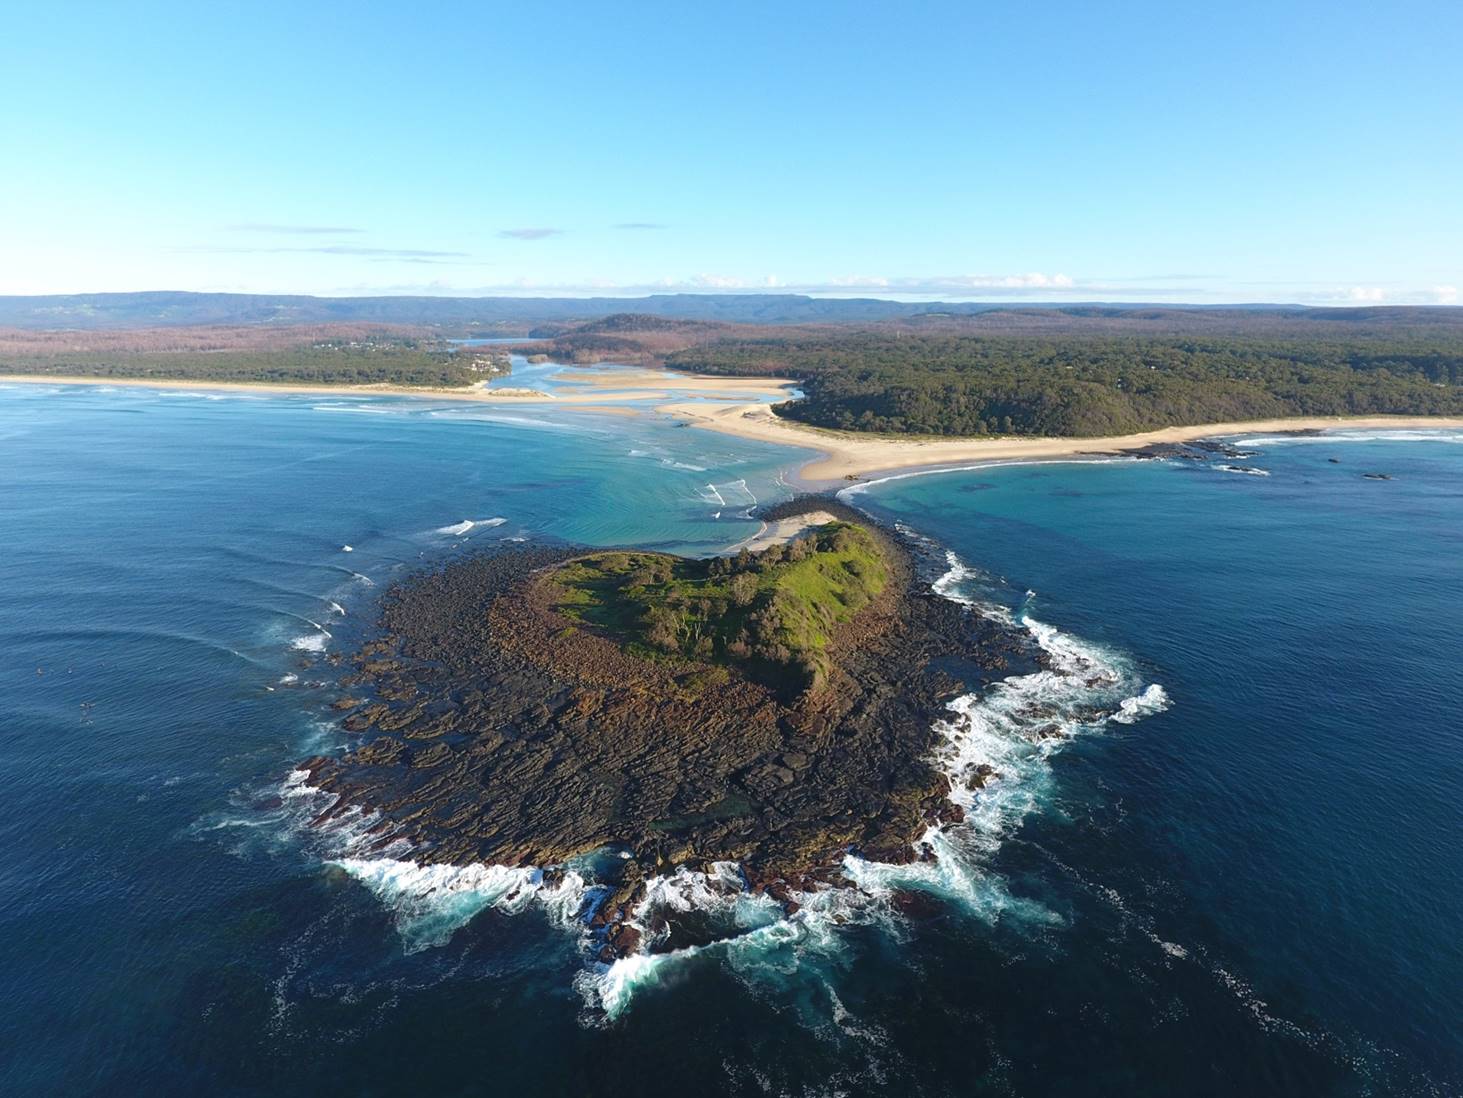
(1253,887)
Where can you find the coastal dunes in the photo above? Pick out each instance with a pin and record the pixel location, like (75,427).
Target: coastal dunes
(845,455)
(777,710)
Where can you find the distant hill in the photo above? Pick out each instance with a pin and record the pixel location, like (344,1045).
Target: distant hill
(165,308)
(516,315)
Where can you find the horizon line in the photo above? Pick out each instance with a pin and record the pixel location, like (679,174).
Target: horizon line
(894,299)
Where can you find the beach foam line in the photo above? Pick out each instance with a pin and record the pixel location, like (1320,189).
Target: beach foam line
(967,467)
(1342,434)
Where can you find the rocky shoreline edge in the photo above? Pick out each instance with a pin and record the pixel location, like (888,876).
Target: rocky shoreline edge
(495,732)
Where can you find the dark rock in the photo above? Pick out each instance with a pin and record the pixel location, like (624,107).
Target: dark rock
(499,735)
(920,906)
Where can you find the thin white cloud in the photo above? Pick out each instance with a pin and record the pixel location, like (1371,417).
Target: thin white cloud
(291,230)
(1446,295)
(529,234)
(329,249)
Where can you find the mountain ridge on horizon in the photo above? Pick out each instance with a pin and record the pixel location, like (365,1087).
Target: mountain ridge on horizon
(169,308)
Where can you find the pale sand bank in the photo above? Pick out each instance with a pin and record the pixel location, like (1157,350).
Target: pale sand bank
(845,455)
(607,385)
(632,378)
(782,531)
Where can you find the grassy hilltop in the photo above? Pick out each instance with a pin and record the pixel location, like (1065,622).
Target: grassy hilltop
(772,613)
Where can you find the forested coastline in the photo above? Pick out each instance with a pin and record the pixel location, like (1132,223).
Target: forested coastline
(395,363)
(961,384)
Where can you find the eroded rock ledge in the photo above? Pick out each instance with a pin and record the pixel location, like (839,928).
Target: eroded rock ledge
(497,730)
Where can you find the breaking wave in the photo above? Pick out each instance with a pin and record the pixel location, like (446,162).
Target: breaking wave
(750,934)
(312,642)
(430,902)
(1334,435)
(1247,470)
(990,463)
(732,496)
(457,529)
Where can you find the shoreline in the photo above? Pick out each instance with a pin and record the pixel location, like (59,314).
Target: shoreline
(845,458)
(838,458)
(613,384)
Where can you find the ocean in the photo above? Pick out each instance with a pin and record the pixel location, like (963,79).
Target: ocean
(1239,874)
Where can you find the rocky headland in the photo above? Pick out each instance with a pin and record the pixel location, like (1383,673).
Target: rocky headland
(775,709)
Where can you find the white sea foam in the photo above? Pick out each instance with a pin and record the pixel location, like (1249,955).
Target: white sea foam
(1420,434)
(457,529)
(366,409)
(864,485)
(311,642)
(431,902)
(511,419)
(1154,699)
(1247,470)
(733,495)
(757,942)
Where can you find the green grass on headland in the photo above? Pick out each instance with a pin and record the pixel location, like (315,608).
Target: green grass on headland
(772,613)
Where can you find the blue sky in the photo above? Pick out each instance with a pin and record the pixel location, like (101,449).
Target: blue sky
(1058,151)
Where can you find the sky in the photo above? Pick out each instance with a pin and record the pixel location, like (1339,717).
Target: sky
(1202,152)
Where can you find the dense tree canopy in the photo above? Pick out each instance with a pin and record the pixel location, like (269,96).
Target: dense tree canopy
(396,363)
(961,384)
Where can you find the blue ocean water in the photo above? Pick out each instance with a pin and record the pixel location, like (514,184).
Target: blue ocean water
(1253,887)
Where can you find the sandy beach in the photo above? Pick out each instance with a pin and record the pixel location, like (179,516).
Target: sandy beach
(598,387)
(628,378)
(845,456)
(781,531)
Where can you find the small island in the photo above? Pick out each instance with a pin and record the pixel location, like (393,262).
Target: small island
(771,708)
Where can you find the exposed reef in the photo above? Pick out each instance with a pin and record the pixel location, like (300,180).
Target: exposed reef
(504,723)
